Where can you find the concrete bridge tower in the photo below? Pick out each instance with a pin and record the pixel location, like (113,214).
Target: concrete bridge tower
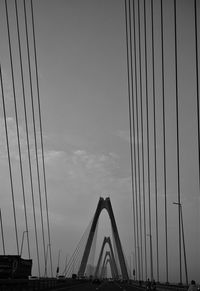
(104,204)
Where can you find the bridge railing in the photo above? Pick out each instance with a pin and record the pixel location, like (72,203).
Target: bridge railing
(159,286)
(177,287)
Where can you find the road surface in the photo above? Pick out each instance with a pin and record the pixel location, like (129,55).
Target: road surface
(103,286)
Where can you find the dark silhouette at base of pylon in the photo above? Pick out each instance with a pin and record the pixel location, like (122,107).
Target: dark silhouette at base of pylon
(104,204)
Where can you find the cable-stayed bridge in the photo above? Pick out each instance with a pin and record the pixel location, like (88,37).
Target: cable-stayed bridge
(161,59)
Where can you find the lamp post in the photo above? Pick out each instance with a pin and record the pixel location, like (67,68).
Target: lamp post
(46,257)
(130,265)
(151,257)
(133,271)
(57,270)
(138,253)
(183,238)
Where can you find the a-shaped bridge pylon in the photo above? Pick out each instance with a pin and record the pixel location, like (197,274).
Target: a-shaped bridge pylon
(108,259)
(104,204)
(112,258)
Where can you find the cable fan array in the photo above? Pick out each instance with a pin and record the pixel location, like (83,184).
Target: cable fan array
(155,84)
(26,103)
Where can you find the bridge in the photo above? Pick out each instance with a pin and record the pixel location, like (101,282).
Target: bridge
(99,108)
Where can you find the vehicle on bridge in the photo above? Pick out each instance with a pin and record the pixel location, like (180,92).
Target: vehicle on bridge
(13,266)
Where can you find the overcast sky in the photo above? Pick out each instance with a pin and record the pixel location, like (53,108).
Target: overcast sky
(84,100)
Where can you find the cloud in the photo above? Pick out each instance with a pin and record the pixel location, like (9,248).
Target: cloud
(52,155)
(80,176)
(81,166)
(13,140)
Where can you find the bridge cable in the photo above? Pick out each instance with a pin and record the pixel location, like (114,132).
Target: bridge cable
(134,146)
(177,139)
(197,79)
(41,134)
(27,132)
(142,140)
(34,129)
(74,258)
(130,125)
(148,143)
(17,125)
(77,248)
(138,146)
(73,261)
(155,141)
(9,160)
(164,139)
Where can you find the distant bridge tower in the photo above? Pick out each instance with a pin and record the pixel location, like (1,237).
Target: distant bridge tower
(104,203)
(108,259)
(112,257)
